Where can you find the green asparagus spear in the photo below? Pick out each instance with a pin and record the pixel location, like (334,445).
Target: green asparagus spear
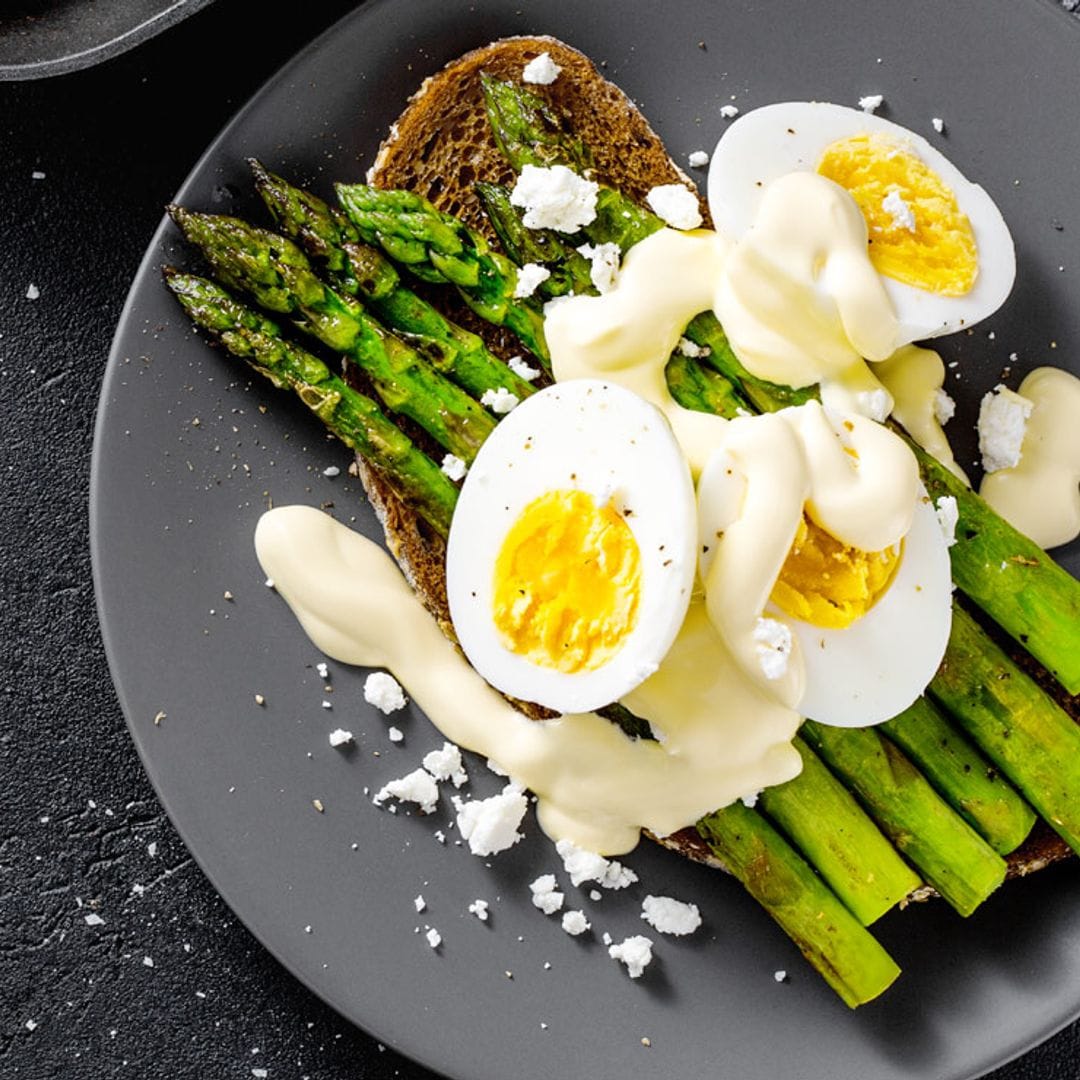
(1012,579)
(278,275)
(361,270)
(837,838)
(962,776)
(952,857)
(1027,735)
(849,958)
(438,247)
(353,417)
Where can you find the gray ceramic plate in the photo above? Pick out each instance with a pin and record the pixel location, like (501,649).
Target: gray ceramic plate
(190,449)
(39,38)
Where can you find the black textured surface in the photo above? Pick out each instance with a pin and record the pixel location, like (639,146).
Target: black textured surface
(78,814)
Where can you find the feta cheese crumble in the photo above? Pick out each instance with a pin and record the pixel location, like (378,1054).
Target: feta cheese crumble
(93,919)
(545,894)
(670,916)
(521,369)
(541,71)
(780,976)
(417,787)
(773,646)
(676,205)
(584,865)
(729,112)
(871,102)
(419,903)
(604,269)
(383,691)
(331,471)
(454,467)
(434,938)
(635,952)
(938,124)
(1003,418)
(479,908)
(944,407)
(555,198)
(948,514)
(32,292)
(898,209)
(499,401)
(491,825)
(395,734)
(574,923)
(446,764)
(698,159)
(686,347)
(529,278)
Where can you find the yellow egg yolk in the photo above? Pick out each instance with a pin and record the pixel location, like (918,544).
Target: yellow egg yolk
(828,584)
(567,582)
(918,235)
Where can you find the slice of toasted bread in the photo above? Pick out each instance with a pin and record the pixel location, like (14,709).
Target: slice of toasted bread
(439,147)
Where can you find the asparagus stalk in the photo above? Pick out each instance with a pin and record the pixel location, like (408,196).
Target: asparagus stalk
(1005,573)
(952,857)
(361,270)
(848,957)
(1027,735)
(353,417)
(278,275)
(969,783)
(838,839)
(438,247)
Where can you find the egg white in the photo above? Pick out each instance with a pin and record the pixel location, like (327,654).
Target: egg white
(602,439)
(786,137)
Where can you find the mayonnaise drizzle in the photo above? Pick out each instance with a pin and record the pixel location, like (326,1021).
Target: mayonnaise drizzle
(914,376)
(1041,494)
(721,738)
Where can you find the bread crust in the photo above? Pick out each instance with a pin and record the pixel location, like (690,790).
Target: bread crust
(439,147)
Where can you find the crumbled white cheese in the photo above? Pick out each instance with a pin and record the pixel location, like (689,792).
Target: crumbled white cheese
(499,401)
(595,895)
(151,849)
(327,704)
(417,787)
(750,801)
(446,764)
(529,278)
(903,217)
(331,471)
(698,159)
(148,961)
(944,407)
(676,205)
(604,269)
(383,691)
(545,894)
(871,102)
(340,737)
(434,938)
(454,467)
(939,124)
(1003,418)
(541,71)
(584,865)
(395,734)
(574,923)
(93,919)
(555,198)
(686,347)
(419,903)
(491,825)
(323,670)
(876,404)
(37,174)
(635,952)
(729,112)
(780,976)
(773,645)
(479,908)
(522,370)
(670,916)
(32,292)
(496,768)
(260,1074)
(948,514)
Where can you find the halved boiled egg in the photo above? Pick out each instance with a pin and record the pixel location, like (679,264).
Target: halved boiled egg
(938,241)
(571,555)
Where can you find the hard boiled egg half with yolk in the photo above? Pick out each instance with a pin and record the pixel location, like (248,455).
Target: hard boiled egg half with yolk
(938,241)
(571,555)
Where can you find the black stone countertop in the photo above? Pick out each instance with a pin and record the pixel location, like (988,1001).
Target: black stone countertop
(168,984)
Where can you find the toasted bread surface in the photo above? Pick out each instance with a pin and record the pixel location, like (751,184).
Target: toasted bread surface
(440,146)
